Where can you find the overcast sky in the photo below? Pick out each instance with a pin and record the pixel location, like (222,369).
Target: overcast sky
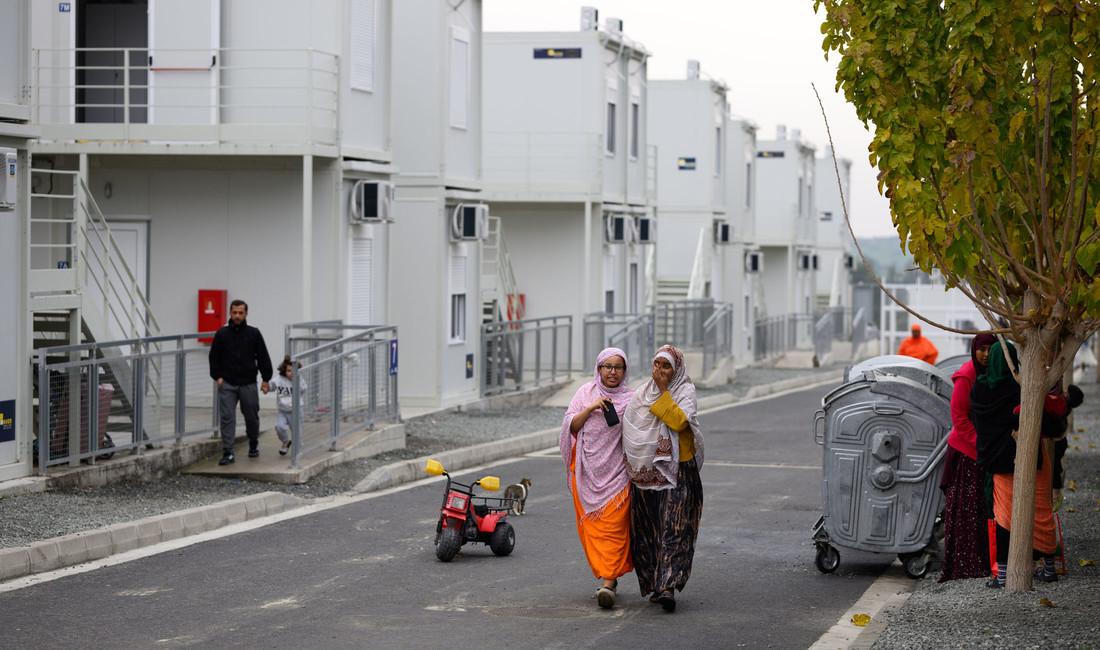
(767,51)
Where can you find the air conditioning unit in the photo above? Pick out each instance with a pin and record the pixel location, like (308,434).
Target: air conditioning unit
(590,18)
(7,181)
(469,221)
(804,262)
(814,258)
(371,201)
(617,229)
(613,25)
(850,262)
(754,262)
(645,229)
(723,232)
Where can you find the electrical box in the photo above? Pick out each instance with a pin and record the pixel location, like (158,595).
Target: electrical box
(212,311)
(469,222)
(7,182)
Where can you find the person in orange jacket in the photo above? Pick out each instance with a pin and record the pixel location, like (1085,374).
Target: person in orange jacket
(918,347)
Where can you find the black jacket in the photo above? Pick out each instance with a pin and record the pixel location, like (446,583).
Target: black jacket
(237,353)
(991,411)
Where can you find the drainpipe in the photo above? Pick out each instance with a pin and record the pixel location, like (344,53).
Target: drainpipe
(586,288)
(307,234)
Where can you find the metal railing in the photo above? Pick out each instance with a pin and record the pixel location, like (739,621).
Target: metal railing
(344,384)
(631,333)
(524,353)
(207,95)
(776,335)
(682,322)
(823,334)
(717,337)
(145,391)
(860,330)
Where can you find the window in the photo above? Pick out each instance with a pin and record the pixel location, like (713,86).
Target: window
(460,77)
(809,202)
(458,298)
(635,109)
(362,45)
(633,288)
(611,128)
(609,301)
(359,284)
(717,150)
(800,201)
(748,185)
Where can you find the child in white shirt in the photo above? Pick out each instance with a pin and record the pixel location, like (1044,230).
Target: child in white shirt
(282,384)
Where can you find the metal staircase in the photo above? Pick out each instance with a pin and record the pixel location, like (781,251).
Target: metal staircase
(500,302)
(86,292)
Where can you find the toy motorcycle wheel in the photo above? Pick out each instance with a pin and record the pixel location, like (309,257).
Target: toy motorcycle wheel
(503,540)
(448,545)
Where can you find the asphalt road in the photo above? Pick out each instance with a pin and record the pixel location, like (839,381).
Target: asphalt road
(364,575)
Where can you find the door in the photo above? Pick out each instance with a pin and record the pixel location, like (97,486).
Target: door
(184,42)
(111,68)
(108,273)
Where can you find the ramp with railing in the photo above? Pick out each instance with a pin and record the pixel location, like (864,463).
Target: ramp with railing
(525,353)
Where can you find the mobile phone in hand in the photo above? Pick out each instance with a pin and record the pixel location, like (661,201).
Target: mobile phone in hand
(610,415)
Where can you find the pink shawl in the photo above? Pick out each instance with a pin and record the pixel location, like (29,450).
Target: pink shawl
(600,470)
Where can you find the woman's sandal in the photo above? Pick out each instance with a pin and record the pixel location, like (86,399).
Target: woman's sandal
(667,601)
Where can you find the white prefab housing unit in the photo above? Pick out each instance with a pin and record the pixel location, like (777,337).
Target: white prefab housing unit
(742,264)
(834,242)
(786,222)
(439,217)
(568,168)
(16,130)
(230,144)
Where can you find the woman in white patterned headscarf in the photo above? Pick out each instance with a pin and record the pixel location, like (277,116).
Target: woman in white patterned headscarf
(664,450)
(593,454)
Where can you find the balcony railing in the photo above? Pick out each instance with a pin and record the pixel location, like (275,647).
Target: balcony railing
(232,95)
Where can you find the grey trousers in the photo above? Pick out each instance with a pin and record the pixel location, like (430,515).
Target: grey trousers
(249,398)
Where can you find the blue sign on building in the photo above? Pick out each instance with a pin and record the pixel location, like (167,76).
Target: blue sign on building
(393,356)
(685,163)
(7,420)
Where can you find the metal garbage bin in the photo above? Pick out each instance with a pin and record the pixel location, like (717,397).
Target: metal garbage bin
(952,363)
(884,434)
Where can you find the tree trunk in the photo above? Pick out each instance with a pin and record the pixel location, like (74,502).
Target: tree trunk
(1033,361)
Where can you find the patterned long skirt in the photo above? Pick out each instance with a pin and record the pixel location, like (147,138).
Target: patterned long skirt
(663,528)
(966,532)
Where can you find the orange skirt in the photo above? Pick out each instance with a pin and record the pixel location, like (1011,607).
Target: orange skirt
(1044,538)
(605,539)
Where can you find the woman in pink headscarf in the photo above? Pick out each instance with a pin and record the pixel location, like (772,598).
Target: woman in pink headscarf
(663,444)
(593,455)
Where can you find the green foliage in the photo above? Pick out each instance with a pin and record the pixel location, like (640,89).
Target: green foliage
(991,177)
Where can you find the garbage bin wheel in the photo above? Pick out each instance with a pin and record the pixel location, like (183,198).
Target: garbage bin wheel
(827,559)
(915,564)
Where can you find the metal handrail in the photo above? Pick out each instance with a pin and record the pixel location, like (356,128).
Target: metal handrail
(717,336)
(508,364)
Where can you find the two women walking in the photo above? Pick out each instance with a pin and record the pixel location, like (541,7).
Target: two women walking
(635,482)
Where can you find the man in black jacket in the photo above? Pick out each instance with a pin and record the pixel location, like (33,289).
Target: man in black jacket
(236,354)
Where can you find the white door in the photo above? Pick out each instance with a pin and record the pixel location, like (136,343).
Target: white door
(111,276)
(184,42)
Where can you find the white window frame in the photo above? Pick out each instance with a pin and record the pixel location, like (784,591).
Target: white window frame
(459,100)
(457,303)
(635,118)
(364,37)
(717,150)
(611,119)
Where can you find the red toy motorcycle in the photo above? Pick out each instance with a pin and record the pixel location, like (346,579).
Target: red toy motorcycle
(461,520)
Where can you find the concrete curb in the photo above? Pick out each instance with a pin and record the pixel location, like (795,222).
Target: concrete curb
(99,543)
(457,459)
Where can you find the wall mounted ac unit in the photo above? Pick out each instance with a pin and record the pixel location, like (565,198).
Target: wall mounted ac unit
(617,229)
(469,222)
(814,259)
(754,262)
(849,262)
(804,262)
(646,230)
(371,201)
(723,232)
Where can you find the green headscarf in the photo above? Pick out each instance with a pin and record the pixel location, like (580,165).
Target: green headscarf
(998,371)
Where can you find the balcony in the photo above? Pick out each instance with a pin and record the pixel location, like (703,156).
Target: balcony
(161,98)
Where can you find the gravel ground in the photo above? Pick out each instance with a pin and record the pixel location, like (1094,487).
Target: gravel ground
(32,517)
(967,614)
